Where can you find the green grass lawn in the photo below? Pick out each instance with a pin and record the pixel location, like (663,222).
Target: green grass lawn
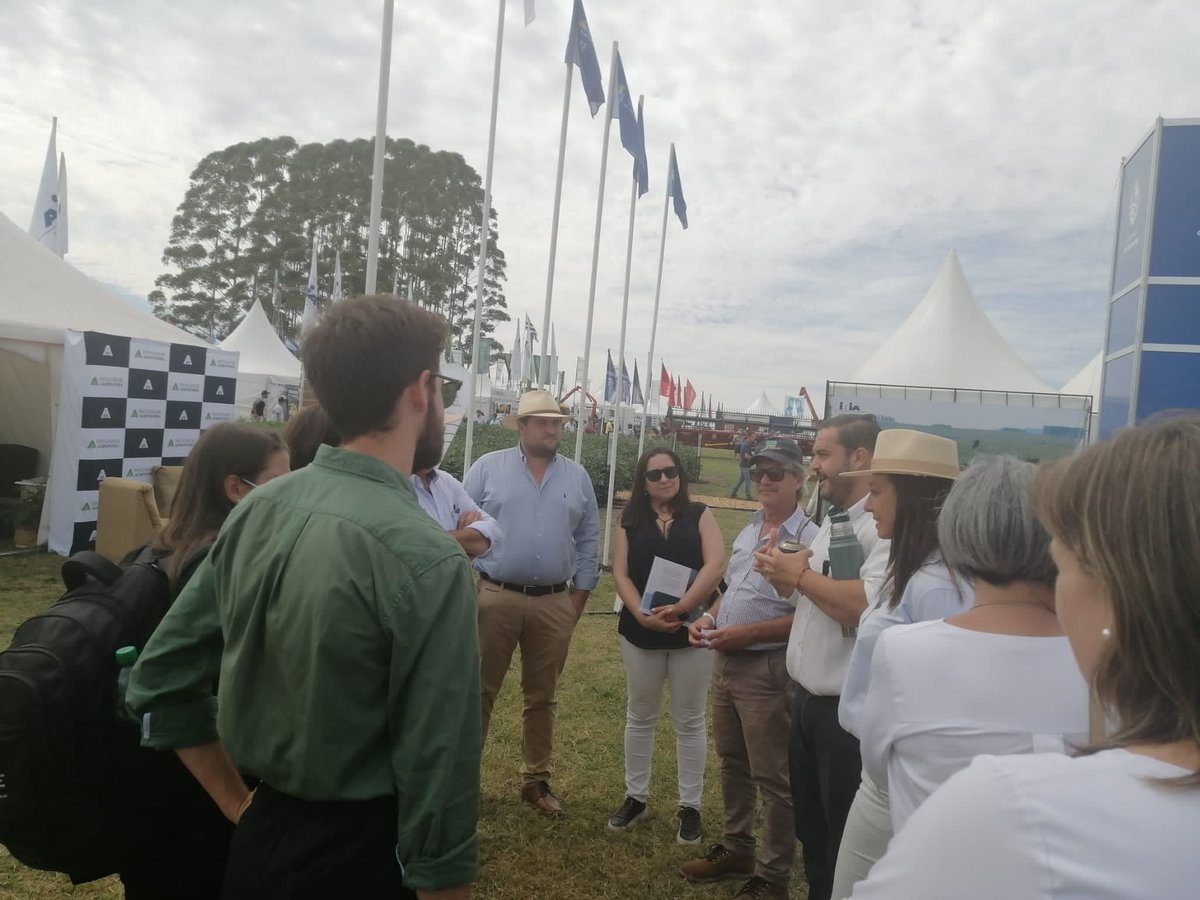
(523,855)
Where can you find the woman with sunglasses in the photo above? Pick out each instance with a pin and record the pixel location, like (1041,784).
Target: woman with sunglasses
(661,521)
(911,473)
(184,836)
(1119,821)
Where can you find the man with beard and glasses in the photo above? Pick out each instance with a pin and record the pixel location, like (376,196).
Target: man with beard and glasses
(748,629)
(824,761)
(341,621)
(533,590)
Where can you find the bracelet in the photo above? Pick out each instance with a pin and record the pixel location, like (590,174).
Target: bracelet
(711,618)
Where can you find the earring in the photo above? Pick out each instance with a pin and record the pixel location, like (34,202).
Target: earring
(1106,633)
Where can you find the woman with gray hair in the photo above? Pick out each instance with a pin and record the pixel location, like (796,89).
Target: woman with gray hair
(998,678)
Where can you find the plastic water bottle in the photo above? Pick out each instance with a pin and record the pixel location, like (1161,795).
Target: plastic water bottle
(126,657)
(845,554)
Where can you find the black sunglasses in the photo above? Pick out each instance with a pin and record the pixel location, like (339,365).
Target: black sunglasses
(671,472)
(757,475)
(450,389)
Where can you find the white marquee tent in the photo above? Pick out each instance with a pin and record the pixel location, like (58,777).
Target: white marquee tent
(41,296)
(948,341)
(762,407)
(1087,381)
(264,364)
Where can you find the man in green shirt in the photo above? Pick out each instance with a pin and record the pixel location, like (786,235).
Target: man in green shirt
(339,621)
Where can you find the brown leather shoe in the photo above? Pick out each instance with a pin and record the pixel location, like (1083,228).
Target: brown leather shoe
(538,795)
(716,865)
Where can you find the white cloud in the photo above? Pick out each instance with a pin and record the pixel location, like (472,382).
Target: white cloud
(832,154)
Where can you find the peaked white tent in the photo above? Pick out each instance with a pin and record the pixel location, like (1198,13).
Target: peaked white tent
(1087,381)
(948,341)
(762,407)
(265,364)
(41,296)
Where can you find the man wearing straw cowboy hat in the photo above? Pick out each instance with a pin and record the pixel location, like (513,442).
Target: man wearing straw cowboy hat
(533,588)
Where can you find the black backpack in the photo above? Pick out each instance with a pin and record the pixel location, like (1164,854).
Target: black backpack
(70,770)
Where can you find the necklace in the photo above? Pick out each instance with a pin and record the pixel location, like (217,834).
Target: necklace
(1011,603)
(665,522)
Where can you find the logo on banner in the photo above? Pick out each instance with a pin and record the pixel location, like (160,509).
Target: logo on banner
(105,414)
(1135,197)
(107,350)
(185,387)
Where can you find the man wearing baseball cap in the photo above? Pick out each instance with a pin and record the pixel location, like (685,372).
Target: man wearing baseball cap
(534,586)
(748,630)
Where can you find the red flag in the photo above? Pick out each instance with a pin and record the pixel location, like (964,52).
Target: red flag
(664,384)
(671,397)
(689,395)
(678,391)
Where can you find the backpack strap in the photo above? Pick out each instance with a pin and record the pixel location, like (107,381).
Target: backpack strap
(89,564)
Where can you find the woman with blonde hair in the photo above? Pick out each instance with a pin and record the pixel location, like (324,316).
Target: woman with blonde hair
(1120,820)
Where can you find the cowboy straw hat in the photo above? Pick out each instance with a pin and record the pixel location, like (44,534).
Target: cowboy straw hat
(900,451)
(535,403)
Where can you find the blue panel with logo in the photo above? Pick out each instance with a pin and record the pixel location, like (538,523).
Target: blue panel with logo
(1133,221)
(1176,245)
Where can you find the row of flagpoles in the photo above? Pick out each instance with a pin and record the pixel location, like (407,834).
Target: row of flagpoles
(580,53)
(49,223)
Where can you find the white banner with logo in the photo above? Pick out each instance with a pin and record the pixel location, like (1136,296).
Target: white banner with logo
(125,406)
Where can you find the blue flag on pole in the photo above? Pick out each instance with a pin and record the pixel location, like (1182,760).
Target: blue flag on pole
(638,399)
(675,189)
(610,380)
(581,52)
(622,110)
(624,383)
(641,168)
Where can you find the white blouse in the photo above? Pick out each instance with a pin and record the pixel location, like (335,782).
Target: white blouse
(941,695)
(930,594)
(1047,827)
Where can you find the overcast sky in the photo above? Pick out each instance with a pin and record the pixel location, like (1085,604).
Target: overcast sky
(832,154)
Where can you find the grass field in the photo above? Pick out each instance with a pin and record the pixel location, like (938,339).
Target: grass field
(523,855)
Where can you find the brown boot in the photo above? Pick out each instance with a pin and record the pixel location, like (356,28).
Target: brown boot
(717,865)
(538,795)
(761,889)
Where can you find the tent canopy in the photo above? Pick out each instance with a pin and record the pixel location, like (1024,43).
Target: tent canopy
(264,363)
(762,407)
(1087,379)
(41,296)
(948,341)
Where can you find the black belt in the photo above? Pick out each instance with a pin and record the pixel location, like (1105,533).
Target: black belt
(531,590)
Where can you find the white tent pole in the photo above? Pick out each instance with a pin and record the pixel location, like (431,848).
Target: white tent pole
(485,223)
(385,68)
(587,337)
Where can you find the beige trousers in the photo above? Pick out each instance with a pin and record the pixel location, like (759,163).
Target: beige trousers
(542,628)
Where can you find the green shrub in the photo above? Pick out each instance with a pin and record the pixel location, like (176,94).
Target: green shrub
(594,457)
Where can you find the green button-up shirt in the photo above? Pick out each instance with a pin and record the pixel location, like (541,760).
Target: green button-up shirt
(341,623)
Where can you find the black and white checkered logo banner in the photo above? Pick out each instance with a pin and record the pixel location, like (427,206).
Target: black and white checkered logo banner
(127,405)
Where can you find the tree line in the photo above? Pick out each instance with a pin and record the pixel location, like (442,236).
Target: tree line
(245,228)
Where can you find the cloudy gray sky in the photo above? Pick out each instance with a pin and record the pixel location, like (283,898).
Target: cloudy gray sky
(831,153)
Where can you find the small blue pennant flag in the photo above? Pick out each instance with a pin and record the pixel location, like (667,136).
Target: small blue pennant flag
(610,380)
(641,168)
(675,189)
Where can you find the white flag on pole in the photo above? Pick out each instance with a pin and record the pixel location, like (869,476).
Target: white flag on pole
(63,243)
(553,364)
(43,227)
(310,294)
(516,370)
(337,278)
(528,11)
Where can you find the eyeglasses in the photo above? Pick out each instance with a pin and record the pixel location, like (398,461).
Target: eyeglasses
(776,474)
(247,481)
(450,389)
(670,472)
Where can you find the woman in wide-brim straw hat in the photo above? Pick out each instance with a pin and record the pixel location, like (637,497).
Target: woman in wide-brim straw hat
(911,473)
(1118,822)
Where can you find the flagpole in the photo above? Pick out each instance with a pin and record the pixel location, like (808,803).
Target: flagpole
(484,227)
(543,371)
(612,449)
(385,68)
(662,249)
(587,336)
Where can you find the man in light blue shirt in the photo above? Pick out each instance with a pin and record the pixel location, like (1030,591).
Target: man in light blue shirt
(443,497)
(533,589)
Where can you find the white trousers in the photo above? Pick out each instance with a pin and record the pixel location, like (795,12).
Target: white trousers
(865,839)
(689,671)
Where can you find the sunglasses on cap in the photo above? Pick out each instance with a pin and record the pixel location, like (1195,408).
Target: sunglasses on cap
(773,474)
(450,389)
(670,472)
